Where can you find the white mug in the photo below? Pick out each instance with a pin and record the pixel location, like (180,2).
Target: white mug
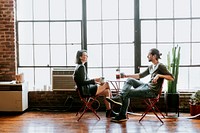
(102,80)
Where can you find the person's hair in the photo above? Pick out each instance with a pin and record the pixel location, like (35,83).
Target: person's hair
(156,52)
(78,55)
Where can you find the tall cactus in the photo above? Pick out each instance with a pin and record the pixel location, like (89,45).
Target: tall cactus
(173,67)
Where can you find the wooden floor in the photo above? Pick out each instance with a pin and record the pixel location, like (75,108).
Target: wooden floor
(66,122)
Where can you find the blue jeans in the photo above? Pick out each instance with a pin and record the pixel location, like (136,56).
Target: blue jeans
(134,88)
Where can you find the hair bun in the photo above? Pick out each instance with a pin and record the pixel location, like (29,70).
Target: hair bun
(155,51)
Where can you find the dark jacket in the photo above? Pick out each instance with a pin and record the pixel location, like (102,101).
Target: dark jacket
(82,80)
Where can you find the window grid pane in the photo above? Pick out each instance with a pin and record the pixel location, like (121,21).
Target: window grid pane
(26,55)
(57,33)
(41,8)
(23,29)
(164,8)
(41,32)
(24,10)
(57,10)
(110,9)
(148,31)
(147,9)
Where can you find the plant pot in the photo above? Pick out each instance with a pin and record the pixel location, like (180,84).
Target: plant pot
(194,109)
(171,102)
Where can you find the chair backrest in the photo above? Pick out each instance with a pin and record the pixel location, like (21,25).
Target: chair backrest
(159,94)
(78,91)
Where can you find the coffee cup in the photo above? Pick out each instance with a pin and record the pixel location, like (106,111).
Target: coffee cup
(102,80)
(122,75)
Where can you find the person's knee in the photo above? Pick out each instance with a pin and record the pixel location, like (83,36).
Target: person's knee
(130,80)
(107,91)
(106,84)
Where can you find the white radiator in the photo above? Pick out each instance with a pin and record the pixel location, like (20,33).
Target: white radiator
(62,79)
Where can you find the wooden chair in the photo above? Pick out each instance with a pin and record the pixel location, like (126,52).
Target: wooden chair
(87,104)
(151,106)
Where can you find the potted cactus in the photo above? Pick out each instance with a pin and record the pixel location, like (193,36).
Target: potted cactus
(172,95)
(195,103)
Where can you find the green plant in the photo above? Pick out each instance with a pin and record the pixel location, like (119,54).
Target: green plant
(195,98)
(173,67)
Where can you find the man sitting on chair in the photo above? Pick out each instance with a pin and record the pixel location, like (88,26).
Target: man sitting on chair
(158,73)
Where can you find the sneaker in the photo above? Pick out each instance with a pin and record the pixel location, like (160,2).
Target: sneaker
(110,113)
(116,100)
(119,118)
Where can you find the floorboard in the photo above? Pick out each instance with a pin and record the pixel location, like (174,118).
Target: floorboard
(66,122)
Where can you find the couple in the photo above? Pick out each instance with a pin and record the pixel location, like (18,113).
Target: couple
(132,88)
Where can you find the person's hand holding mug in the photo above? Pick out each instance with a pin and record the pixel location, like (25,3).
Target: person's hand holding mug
(102,80)
(122,75)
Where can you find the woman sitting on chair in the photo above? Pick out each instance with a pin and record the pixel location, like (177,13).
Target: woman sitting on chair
(91,87)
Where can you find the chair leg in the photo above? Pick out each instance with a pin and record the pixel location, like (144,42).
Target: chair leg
(83,106)
(81,109)
(82,114)
(159,111)
(87,106)
(151,106)
(157,116)
(146,111)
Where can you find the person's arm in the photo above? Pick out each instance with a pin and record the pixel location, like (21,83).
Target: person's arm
(167,77)
(136,76)
(97,80)
(165,74)
(139,75)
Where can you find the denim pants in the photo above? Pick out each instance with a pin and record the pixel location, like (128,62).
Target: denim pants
(134,88)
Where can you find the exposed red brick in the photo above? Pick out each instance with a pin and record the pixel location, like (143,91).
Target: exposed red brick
(7,41)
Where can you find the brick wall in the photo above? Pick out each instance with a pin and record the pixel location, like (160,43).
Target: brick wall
(7,40)
(69,100)
(57,100)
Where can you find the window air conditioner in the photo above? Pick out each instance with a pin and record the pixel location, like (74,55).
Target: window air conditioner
(62,79)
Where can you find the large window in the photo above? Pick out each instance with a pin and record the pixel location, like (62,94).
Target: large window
(165,23)
(50,32)
(110,37)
